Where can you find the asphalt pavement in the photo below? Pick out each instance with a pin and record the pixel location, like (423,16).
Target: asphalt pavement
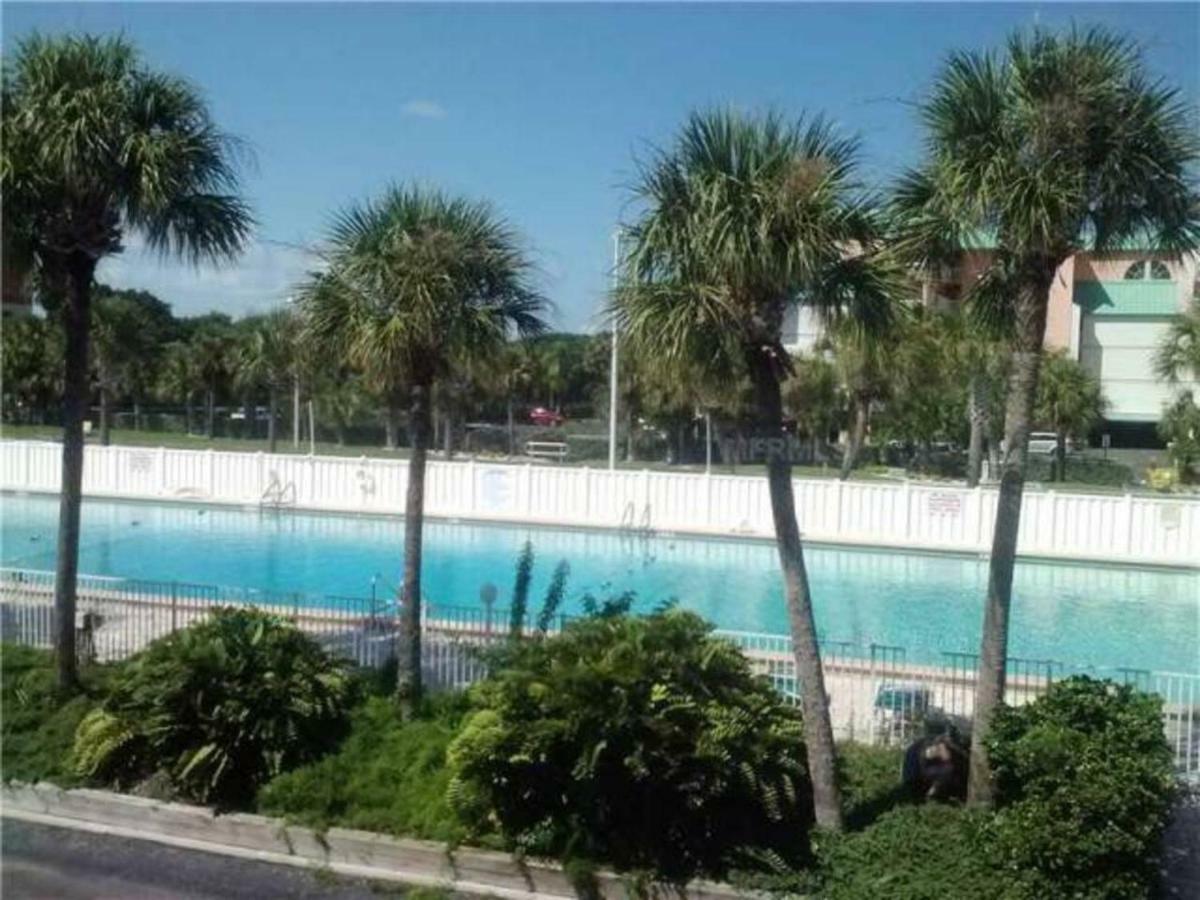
(40,862)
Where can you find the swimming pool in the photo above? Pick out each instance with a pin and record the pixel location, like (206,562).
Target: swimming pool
(926,603)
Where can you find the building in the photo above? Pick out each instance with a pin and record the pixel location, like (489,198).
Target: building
(1109,313)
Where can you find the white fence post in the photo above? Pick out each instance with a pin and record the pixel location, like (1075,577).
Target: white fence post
(210,472)
(1129,524)
(162,471)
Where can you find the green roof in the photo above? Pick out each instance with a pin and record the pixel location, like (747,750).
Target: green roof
(1128,298)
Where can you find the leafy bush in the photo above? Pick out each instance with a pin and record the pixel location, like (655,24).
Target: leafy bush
(641,742)
(869,779)
(928,852)
(39,723)
(1084,789)
(219,707)
(389,775)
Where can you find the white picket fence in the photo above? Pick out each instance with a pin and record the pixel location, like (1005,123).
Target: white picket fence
(1108,527)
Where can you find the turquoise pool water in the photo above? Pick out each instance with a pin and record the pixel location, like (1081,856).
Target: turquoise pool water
(1083,615)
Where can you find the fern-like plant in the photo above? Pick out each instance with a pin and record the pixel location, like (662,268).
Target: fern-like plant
(220,707)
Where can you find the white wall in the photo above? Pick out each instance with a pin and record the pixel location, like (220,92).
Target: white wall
(1106,527)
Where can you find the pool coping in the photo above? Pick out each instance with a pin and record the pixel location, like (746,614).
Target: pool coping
(697,532)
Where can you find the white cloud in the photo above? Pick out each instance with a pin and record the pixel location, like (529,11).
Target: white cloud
(260,279)
(424,109)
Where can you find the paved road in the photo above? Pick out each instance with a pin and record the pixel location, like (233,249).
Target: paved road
(39,862)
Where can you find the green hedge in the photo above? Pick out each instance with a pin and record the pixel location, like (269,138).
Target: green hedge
(217,709)
(1084,788)
(644,743)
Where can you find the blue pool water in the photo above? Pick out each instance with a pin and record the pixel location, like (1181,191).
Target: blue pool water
(1085,615)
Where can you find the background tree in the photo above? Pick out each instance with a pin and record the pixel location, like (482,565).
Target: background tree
(861,360)
(741,217)
(213,352)
(1180,428)
(1069,403)
(810,398)
(31,365)
(130,330)
(178,378)
(97,146)
(1178,355)
(265,362)
(416,282)
(1059,145)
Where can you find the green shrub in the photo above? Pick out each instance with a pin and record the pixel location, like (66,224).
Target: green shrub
(1084,789)
(869,778)
(38,722)
(640,742)
(389,775)
(219,707)
(928,852)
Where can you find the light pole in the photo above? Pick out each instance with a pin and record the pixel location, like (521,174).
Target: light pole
(612,369)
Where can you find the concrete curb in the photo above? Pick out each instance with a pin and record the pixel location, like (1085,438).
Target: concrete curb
(358,854)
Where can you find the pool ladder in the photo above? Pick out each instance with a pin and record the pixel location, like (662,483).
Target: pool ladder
(278,494)
(628,524)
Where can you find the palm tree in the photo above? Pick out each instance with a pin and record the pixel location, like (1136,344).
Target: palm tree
(1178,356)
(861,360)
(1069,402)
(178,378)
(1061,144)
(126,347)
(742,217)
(212,348)
(417,281)
(96,147)
(810,397)
(265,362)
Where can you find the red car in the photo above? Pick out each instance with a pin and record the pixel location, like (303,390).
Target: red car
(546,418)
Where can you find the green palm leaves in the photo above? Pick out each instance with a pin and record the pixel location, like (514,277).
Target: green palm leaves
(416,279)
(743,216)
(96,144)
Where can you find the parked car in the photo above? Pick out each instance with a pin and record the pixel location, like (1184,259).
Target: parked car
(1040,442)
(546,418)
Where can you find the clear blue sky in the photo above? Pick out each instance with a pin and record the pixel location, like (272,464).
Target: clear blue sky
(541,109)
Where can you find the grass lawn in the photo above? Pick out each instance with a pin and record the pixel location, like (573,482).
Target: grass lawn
(1136,460)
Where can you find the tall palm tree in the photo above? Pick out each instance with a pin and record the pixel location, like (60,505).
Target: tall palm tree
(265,362)
(1178,356)
(1058,145)
(96,147)
(415,282)
(810,397)
(741,217)
(1069,402)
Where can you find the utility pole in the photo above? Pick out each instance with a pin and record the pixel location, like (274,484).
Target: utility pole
(612,374)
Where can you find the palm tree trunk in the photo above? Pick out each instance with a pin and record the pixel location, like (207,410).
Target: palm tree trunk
(105,415)
(448,433)
(512,430)
(248,409)
(854,440)
(977,418)
(210,400)
(391,426)
(408,674)
(77,321)
(818,728)
(187,413)
(1018,413)
(272,403)
(137,413)
(1060,456)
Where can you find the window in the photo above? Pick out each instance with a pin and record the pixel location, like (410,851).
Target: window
(1148,270)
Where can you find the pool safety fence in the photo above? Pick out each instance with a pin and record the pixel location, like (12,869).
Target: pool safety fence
(905,514)
(878,693)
